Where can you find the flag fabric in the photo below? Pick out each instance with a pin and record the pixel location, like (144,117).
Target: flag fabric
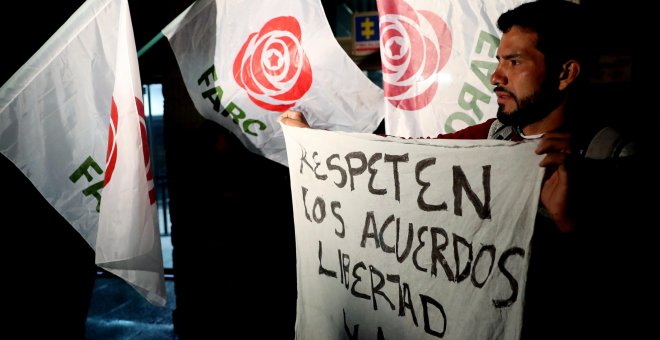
(72,120)
(437,59)
(245,62)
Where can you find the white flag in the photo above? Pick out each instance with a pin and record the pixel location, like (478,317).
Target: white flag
(437,59)
(71,119)
(245,62)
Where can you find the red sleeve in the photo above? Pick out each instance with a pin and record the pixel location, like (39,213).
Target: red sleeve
(479,131)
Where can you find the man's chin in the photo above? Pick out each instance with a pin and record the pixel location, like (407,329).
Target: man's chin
(504,117)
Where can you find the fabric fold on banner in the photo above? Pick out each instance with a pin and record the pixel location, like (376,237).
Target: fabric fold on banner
(411,238)
(72,120)
(437,59)
(245,62)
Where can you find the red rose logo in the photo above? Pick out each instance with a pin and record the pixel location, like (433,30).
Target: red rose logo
(272,66)
(145,151)
(111,156)
(411,57)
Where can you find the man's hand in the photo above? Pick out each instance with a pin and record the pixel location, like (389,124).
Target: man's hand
(293,118)
(554,191)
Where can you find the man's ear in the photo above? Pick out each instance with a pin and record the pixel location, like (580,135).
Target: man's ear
(569,73)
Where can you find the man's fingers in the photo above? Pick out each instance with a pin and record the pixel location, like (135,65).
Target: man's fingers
(293,118)
(292,114)
(553,158)
(554,142)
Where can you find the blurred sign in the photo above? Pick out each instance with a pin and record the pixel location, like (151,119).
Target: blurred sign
(365,33)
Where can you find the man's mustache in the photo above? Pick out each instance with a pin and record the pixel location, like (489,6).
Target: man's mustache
(501,89)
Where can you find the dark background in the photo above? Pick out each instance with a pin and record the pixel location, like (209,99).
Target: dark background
(230,257)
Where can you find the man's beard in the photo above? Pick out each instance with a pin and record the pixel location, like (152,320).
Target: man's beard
(531,108)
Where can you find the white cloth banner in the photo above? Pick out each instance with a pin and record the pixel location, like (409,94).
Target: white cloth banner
(411,239)
(245,62)
(437,59)
(72,120)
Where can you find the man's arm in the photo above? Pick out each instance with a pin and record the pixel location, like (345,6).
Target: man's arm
(554,191)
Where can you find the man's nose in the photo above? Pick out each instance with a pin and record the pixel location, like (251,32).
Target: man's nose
(497,77)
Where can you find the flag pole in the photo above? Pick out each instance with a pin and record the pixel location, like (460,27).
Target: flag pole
(151,43)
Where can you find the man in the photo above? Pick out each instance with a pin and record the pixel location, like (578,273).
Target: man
(533,82)
(542,63)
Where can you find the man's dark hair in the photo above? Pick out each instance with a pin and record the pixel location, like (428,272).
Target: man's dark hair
(562,29)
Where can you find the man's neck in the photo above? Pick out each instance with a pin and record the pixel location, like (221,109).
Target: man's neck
(551,122)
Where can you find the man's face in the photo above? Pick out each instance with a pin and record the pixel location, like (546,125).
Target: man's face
(524,92)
